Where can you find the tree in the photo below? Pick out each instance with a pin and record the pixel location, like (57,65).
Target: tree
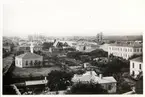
(75,55)
(115,66)
(47,45)
(87,88)
(98,53)
(139,86)
(59,80)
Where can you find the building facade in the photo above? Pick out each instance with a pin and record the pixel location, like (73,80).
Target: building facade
(124,51)
(136,66)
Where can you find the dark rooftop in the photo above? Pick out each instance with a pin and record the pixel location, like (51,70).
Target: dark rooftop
(138,59)
(127,45)
(29,55)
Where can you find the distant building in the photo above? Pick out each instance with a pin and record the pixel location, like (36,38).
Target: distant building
(136,66)
(100,37)
(124,50)
(108,83)
(28,59)
(26,47)
(86,46)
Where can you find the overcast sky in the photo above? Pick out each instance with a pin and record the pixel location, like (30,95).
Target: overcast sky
(73,17)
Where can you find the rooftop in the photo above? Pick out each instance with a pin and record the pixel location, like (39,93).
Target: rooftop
(92,76)
(138,59)
(28,55)
(36,82)
(127,45)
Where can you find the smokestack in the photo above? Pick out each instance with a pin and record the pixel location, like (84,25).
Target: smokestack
(100,76)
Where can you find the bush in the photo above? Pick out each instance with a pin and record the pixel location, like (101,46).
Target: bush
(87,88)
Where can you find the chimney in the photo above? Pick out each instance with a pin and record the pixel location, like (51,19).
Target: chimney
(100,76)
(31,47)
(85,65)
(45,78)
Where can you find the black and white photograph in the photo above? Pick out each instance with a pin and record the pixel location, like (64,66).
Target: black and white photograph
(72,47)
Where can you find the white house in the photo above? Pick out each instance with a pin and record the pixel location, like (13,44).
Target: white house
(108,83)
(28,59)
(136,66)
(125,50)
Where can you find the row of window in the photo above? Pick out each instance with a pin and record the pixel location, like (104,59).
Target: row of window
(33,63)
(126,49)
(124,55)
(133,65)
(29,63)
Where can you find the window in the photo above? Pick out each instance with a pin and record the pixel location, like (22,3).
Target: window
(26,63)
(139,66)
(35,63)
(39,62)
(109,87)
(130,50)
(134,50)
(141,50)
(31,63)
(132,65)
(125,49)
(120,49)
(133,73)
(138,50)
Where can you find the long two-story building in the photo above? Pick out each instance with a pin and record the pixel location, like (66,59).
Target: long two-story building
(124,50)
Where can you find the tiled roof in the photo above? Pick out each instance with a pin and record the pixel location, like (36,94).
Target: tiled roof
(29,55)
(138,59)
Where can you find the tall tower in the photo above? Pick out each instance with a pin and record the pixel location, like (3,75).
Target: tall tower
(99,37)
(32,47)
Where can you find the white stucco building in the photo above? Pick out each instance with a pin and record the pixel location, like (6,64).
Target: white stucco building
(108,83)
(124,50)
(28,59)
(136,66)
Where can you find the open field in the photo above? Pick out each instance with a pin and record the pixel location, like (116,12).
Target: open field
(7,63)
(33,72)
